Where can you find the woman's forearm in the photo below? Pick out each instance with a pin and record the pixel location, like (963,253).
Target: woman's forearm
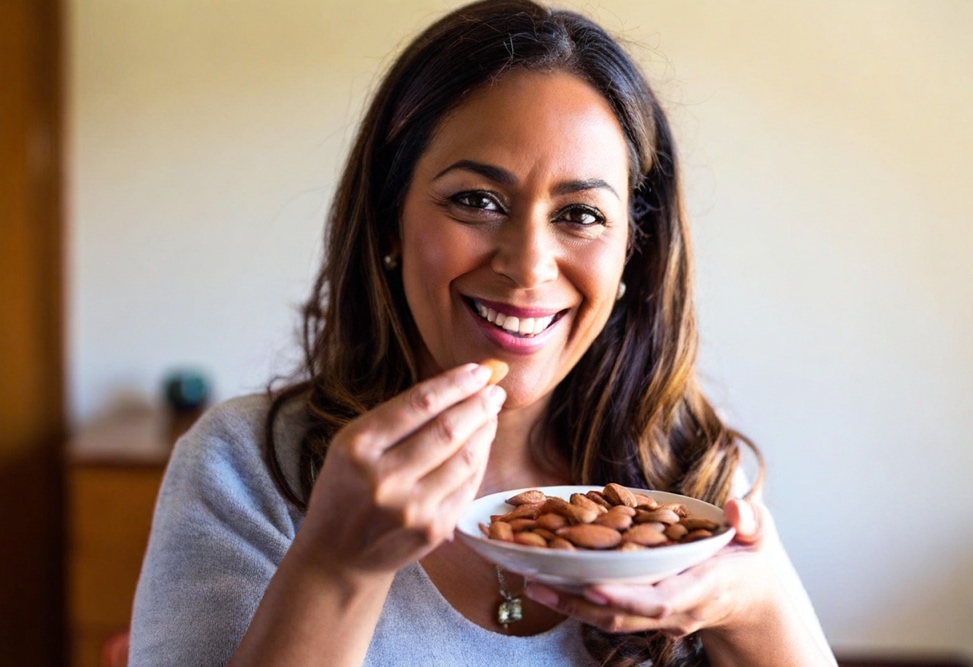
(308,617)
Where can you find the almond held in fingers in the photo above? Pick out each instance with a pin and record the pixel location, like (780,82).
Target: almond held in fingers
(498,370)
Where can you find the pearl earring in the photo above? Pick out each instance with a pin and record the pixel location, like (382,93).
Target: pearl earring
(390,262)
(621,291)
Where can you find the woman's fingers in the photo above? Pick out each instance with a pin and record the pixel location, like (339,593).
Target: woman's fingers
(749,583)
(748,518)
(385,493)
(384,427)
(604,616)
(430,505)
(442,437)
(678,605)
(704,596)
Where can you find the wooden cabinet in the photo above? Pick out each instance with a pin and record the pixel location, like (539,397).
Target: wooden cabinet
(114,469)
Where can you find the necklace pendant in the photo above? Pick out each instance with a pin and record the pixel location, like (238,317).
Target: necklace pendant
(510,611)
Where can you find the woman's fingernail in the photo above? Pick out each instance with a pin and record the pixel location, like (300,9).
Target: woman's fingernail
(545,596)
(496,396)
(748,521)
(479,373)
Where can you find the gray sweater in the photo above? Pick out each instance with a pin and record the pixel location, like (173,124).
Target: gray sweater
(220,530)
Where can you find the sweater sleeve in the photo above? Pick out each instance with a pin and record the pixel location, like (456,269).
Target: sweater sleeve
(219,532)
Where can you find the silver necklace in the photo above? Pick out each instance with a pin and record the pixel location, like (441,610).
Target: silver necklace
(511,609)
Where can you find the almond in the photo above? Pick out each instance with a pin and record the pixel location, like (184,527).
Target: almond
(561,543)
(619,495)
(525,511)
(587,503)
(551,521)
(532,497)
(676,532)
(662,515)
(591,536)
(698,534)
(646,502)
(518,525)
(599,498)
(647,534)
(501,530)
(693,523)
(678,508)
(530,539)
(615,520)
(498,369)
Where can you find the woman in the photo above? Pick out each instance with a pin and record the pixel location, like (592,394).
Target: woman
(513,193)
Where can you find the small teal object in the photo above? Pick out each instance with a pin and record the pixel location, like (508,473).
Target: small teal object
(186,391)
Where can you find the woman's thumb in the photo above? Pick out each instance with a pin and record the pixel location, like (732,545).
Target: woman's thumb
(748,518)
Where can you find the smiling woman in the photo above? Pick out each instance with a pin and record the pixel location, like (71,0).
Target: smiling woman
(513,232)
(513,196)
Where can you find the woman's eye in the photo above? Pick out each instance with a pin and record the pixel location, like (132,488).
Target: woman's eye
(581,215)
(480,201)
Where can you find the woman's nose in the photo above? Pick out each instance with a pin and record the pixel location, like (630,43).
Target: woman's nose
(526,252)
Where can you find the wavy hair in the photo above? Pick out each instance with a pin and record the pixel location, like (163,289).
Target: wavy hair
(631,411)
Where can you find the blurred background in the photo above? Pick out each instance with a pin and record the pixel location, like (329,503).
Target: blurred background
(167,167)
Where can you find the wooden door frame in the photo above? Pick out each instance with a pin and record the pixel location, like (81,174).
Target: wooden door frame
(32,421)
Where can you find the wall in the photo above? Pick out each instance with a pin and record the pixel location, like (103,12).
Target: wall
(826,146)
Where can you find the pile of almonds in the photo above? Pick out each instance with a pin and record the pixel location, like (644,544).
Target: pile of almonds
(614,518)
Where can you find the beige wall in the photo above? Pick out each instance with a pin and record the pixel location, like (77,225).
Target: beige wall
(827,147)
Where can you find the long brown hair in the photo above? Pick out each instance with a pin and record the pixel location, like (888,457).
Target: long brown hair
(631,411)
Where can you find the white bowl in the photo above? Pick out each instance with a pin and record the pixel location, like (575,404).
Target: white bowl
(573,569)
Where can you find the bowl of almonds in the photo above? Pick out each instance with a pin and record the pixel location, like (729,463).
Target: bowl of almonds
(569,536)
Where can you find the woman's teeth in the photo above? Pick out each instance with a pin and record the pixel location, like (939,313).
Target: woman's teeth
(522,326)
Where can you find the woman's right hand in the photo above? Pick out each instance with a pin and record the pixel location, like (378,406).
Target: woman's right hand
(396,480)
(393,485)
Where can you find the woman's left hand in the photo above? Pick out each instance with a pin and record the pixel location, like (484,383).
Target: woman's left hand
(740,599)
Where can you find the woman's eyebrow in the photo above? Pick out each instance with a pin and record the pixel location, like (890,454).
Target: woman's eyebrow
(569,187)
(495,174)
(504,177)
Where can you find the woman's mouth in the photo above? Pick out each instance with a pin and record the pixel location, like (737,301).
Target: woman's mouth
(524,327)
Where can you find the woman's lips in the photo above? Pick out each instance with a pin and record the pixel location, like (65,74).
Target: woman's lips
(516,321)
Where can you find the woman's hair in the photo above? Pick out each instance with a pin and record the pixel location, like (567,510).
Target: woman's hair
(631,411)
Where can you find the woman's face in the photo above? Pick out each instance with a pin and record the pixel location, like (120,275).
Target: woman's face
(514,230)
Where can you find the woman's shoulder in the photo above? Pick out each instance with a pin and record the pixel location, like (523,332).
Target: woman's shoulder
(238,418)
(228,445)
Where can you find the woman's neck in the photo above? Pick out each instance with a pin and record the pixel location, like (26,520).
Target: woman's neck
(513,462)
